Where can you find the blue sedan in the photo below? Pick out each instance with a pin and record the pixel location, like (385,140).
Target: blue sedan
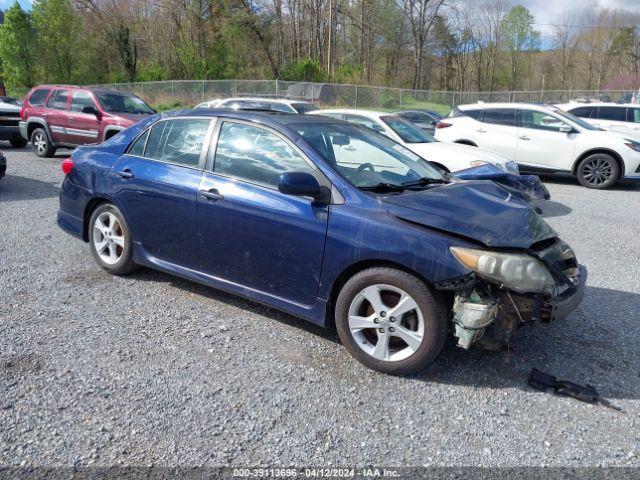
(326,220)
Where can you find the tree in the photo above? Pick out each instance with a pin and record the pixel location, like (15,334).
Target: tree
(17,45)
(518,36)
(58,27)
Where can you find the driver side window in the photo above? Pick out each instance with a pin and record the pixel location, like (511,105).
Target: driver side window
(540,121)
(365,122)
(255,155)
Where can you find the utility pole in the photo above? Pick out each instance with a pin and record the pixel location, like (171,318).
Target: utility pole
(330,43)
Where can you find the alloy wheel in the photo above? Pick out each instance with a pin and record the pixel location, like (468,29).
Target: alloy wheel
(597,171)
(40,142)
(386,323)
(108,238)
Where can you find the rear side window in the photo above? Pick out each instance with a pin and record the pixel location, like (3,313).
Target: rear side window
(582,112)
(255,155)
(38,97)
(500,116)
(177,141)
(58,100)
(476,114)
(633,115)
(618,114)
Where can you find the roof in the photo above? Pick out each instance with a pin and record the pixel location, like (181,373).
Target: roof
(270,118)
(597,104)
(287,101)
(352,111)
(469,106)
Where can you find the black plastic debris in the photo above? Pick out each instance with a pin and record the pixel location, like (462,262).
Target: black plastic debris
(543,382)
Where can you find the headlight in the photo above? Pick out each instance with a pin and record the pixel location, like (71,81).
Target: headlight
(477,163)
(632,144)
(513,167)
(519,271)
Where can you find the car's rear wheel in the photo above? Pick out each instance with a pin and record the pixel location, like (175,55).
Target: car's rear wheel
(110,240)
(390,321)
(41,143)
(18,142)
(598,171)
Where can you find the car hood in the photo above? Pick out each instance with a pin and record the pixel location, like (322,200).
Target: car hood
(434,150)
(8,107)
(479,210)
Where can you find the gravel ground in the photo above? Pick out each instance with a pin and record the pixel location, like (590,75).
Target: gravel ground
(150,369)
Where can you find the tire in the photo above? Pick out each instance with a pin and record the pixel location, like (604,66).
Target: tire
(41,143)
(426,323)
(110,240)
(18,142)
(598,171)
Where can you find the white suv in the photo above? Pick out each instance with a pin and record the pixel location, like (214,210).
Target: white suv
(545,139)
(284,105)
(610,116)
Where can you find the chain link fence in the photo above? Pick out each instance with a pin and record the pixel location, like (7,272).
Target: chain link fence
(187,93)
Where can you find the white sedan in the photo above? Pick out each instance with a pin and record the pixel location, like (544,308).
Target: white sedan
(447,156)
(545,139)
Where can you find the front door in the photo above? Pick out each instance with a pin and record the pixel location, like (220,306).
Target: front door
(541,143)
(82,127)
(56,115)
(250,233)
(156,185)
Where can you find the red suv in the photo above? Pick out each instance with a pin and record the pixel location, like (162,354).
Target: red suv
(65,116)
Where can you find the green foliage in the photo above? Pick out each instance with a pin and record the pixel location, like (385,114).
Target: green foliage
(348,73)
(518,33)
(17,48)
(307,70)
(59,47)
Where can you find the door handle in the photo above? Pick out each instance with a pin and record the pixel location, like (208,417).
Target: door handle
(481,130)
(213,194)
(524,137)
(126,173)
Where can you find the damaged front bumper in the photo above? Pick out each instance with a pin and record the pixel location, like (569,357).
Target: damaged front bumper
(480,306)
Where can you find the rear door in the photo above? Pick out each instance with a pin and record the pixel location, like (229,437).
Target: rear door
(498,131)
(82,127)
(55,115)
(541,143)
(156,185)
(633,118)
(610,116)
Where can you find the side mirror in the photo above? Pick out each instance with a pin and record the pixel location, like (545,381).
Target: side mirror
(88,109)
(300,184)
(566,129)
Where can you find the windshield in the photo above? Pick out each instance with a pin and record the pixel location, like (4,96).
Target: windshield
(122,103)
(406,131)
(365,158)
(304,107)
(569,116)
(11,101)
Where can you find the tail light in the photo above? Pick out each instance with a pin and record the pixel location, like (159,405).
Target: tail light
(442,125)
(67,165)
(22,114)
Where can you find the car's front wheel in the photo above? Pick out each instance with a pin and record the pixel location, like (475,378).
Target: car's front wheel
(598,171)
(110,239)
(41,143)
(390,321)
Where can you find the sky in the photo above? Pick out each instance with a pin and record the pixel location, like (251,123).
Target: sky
(26,4)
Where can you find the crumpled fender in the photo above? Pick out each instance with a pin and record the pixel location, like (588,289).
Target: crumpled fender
(529,187)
